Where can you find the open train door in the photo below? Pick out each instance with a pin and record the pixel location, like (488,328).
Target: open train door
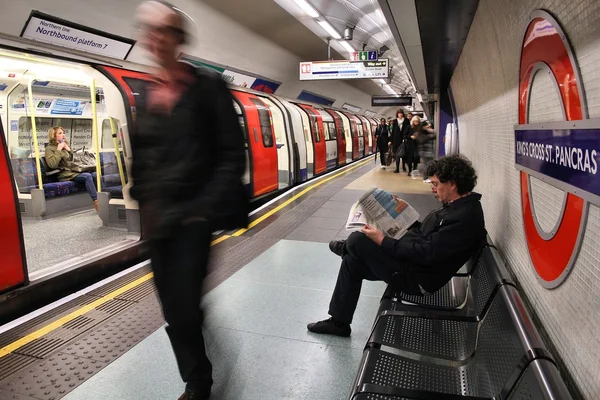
(12,247)
(261,140)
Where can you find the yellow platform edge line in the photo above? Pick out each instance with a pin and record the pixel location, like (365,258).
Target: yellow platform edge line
(6,350)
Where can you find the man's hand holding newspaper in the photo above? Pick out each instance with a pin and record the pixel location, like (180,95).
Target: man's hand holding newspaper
(378,213)
(373,233)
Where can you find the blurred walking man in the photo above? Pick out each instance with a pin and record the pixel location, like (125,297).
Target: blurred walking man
(188,163)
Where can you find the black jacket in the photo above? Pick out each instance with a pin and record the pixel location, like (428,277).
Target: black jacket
(399,133)
(383,137)
(410,144)
(190,164)
(437,248)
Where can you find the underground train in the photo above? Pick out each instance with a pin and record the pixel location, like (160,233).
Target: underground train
(52,237)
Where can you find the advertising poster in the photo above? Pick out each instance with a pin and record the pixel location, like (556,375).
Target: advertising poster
(68,107)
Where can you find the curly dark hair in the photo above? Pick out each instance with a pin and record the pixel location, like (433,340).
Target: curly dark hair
(454,168)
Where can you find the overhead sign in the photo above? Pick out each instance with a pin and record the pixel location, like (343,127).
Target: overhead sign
(314,98)
(383,101)
(322,70)
(364,56)
(46,28)
(370,113)
(236,78)
(350,107)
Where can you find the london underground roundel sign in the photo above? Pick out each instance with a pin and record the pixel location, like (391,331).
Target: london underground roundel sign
(545,48)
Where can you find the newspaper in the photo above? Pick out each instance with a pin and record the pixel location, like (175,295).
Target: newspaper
(383,210)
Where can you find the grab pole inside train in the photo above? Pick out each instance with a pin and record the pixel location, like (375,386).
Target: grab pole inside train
(95,139)
(34,133)
(115,132)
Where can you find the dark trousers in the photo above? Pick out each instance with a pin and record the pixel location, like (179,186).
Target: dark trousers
(398,159)
(88,179)
(382,155)
(363,259)
(179,263)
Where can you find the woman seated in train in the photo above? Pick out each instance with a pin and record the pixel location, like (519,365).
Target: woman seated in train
(58,154)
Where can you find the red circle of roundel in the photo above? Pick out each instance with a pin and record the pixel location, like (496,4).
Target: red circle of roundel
(543,43)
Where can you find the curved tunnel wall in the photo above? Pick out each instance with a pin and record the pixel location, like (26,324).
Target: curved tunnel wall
(485,86)
(218,39)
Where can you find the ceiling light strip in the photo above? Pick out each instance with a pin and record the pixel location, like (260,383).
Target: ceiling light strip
(330,29)
(307,8)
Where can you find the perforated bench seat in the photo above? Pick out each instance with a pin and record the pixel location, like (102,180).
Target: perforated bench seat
(540,381)
(462,296)
(435,338)
(501,347)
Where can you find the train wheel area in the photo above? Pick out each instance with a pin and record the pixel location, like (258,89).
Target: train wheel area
(264,285)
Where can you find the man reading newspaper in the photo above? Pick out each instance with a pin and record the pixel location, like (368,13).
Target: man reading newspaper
(382,210)
(424,258)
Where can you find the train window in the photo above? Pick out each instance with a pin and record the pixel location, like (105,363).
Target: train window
(316,129)
(265,123)
(326,129)
(332,132)
(241,121)
(107,131)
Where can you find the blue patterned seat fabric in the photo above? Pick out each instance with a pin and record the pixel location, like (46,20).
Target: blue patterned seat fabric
(24,170)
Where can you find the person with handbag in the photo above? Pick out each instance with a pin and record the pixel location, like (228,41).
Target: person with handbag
(400,129)
(59,155)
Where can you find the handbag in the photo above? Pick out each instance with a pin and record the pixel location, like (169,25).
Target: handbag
(389,158)
(401,151)
(83,161)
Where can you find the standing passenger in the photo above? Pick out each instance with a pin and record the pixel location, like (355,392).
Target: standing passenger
(400,129)
(383,138)
(188,162)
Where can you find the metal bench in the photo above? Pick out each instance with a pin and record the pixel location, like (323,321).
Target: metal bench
(506,345)
(475,292)
(540,381)
(450,336)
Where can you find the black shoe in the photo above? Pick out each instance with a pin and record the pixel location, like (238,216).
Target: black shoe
(337,247)
(330,327)
(396,172)
(195,395)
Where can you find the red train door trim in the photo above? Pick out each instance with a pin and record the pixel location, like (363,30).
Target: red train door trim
(263,155)
(12,246)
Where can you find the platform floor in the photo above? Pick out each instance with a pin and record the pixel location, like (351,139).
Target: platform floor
(256,317)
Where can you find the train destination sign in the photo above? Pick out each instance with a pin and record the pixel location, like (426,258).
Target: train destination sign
(382,101)
(566,157)
(322,70)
